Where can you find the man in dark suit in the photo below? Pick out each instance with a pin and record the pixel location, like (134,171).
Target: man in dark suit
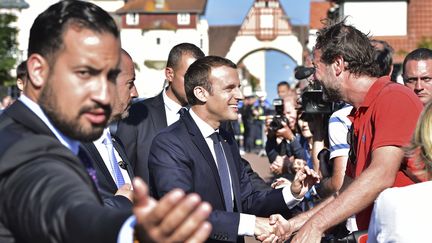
(197,155)
(48,192)
(113,169)
(148,117)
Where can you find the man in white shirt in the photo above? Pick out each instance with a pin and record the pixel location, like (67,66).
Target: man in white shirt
(113,169)
(48,192)
(197,155)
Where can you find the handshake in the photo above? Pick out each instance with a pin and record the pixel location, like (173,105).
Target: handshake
(276,228)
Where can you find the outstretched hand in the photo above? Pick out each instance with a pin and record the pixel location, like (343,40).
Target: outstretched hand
(304,179)
(175,218)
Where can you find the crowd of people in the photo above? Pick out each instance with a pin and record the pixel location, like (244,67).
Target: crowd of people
(81,162)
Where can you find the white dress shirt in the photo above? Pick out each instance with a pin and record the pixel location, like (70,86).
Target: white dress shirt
(105,156)
(402,215)
(171,109)
(247,221)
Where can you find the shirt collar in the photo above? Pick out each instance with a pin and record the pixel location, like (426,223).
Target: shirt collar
(205,129)
(374,90)
(71,144)
(170,104)
(103,136)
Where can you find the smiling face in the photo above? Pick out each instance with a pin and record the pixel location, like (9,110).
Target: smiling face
(80,83)
(331,87)
(418,77)
(222,102)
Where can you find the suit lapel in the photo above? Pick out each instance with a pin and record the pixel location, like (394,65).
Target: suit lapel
(158,116)
(201,144)
(23,115)
(98,161)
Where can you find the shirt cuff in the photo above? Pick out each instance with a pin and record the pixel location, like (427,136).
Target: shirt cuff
(126,233)
(246,225)
(289,199)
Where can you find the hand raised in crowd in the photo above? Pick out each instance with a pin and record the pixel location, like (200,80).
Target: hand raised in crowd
(304,179)
(285,132)
(298,165)
(277,166)
(175,218)
(280,183)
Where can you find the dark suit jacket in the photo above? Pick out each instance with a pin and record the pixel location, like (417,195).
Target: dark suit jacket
(47,195)
(180,158)
(107,187)
(146,118)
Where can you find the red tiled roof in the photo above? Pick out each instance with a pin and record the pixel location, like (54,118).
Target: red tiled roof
(221,39)
(170,6)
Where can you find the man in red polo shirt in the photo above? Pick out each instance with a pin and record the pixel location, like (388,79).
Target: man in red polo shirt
(384,118)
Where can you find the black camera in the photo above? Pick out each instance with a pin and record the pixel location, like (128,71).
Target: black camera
(279,117)
(312,100)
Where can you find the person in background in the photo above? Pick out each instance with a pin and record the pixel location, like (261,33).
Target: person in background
(417,73)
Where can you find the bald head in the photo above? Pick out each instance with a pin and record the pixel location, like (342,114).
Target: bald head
(125,87)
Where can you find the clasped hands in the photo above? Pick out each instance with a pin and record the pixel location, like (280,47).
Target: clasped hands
(276,228)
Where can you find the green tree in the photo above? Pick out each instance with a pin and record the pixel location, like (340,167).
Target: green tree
(425,43)
(8,48)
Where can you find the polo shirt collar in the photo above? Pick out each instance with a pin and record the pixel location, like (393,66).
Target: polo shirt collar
(374,90)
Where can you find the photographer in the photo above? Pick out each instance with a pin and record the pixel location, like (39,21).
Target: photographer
(283,142)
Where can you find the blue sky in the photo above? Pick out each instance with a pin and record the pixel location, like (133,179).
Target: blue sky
(232,12)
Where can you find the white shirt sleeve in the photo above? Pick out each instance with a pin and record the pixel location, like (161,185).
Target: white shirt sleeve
(289,199)
(246,224)
(126,233)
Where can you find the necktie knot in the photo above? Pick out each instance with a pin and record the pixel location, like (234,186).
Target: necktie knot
(107,139)
(215,137)
(182,111)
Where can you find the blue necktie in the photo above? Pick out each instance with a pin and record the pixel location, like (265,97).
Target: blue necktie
(86,161)
(118,177)
(223,171)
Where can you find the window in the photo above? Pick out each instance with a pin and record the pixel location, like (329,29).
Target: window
(183,19)
(132,19)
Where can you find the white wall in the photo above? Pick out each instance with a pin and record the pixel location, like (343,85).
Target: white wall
(255,64)
(380,18)
(142,46)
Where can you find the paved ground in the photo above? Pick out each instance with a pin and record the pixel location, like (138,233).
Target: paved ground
(261,166)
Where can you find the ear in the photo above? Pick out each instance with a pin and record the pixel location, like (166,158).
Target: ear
(339,65)
(169,74)
(201,93)
(38,69)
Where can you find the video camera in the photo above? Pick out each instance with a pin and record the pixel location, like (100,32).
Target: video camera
(312,100)
(279,117)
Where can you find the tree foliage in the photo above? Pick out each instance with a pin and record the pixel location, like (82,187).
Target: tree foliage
(8,47)
(425,43)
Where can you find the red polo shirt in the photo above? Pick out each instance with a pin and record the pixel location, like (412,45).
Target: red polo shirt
(387,117)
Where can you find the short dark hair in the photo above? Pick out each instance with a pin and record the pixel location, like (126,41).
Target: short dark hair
(342,40)
(21,71)
(176,53)
(417,54)
(383,56)
(46,33)
(198,74)
(283,83)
